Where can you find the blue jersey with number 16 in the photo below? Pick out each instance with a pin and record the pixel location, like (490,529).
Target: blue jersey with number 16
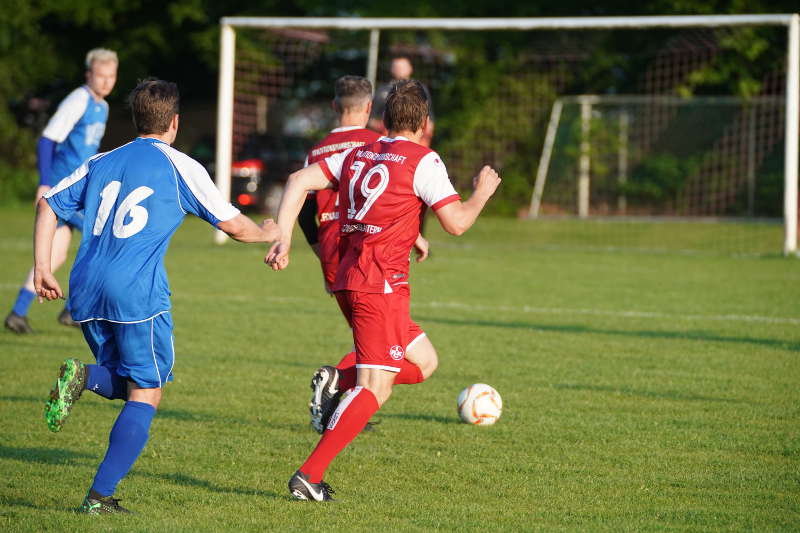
(134,198)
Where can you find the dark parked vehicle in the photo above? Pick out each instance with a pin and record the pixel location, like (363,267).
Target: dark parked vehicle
(260,169)
(262,166)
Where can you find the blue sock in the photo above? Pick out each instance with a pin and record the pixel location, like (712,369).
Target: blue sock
(67,306)
(126,442)
(24,301)
(105,382)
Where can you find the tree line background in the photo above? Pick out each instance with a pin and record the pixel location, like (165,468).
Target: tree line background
(43,42)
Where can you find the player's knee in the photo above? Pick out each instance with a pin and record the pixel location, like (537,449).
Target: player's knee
(423,354)
(382,393)
(379,382)
(60,248)
(58,259)
(148,396)
(430,365)
(381,389)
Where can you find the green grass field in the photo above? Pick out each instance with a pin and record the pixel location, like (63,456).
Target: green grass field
(643,392)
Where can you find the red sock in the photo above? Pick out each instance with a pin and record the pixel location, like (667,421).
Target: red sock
(347,371)
(409,374)
(347,361)
(347,421)
(347,378)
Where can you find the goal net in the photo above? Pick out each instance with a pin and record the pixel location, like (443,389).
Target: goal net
(664,172)
(652,133)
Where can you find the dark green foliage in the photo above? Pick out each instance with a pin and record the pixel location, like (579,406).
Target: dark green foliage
(42,44)
(658,179)
(479,118)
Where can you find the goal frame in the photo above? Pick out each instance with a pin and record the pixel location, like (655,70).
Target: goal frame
(791,21)
(587,103)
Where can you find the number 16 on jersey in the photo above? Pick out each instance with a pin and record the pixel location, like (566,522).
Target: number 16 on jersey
(129,206)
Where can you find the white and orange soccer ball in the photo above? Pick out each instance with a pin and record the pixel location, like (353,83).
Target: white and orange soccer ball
(480,404)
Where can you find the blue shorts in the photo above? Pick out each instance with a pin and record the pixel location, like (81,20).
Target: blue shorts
(142,352)
(74,222)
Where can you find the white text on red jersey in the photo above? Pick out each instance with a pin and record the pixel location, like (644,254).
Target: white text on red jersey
(366,154)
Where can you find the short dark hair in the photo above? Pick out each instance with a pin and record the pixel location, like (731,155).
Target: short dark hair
(406,106)
(153,103)
(351,92)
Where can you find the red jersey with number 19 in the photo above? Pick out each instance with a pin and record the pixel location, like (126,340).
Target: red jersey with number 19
(338,140)
(382,188)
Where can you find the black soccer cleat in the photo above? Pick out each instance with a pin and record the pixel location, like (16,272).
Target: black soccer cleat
(94,503)
(324,396)
(65,318)
(17,323)
(302,489)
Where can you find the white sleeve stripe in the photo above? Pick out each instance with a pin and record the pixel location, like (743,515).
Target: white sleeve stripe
(70,180)
(336,161)
(75,177)
(177,188)
(199,183)
(69,112)
(175,176)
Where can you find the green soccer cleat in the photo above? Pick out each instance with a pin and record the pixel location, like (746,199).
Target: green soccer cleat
(66,391)
(93,503)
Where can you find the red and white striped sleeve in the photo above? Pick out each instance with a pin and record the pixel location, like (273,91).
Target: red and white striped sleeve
(432,184)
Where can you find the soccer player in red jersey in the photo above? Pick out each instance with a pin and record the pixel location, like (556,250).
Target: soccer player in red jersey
(382,188)
(352,102)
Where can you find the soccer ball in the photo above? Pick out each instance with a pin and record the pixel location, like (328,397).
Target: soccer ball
(479,404)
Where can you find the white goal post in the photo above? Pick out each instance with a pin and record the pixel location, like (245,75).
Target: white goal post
(224,146)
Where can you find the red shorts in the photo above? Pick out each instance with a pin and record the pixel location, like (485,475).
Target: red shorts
(329,251)
(382,327)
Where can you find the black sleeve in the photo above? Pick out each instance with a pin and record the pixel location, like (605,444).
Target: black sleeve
(308,219)
(430,102)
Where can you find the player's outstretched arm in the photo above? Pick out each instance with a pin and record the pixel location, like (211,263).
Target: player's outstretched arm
(458,217)
(310,178)
(44,282)
(421,248)
(242,229)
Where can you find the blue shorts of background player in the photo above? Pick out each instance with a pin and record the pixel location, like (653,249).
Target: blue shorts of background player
(75,222)
(141,352)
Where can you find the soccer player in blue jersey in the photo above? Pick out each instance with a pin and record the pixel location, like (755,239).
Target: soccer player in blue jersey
(72,135)
(133,198)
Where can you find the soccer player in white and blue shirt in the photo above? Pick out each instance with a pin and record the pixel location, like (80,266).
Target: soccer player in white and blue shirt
(72,135)
(133,198)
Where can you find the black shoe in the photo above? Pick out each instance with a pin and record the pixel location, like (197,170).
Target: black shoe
(65,318)
(96,504)
(302,489)
(324,396)
(17,323)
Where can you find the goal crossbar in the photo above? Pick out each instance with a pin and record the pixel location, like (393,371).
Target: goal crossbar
(374,25)
(540,23)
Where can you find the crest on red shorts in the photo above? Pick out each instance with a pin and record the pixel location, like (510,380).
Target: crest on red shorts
(396,352)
